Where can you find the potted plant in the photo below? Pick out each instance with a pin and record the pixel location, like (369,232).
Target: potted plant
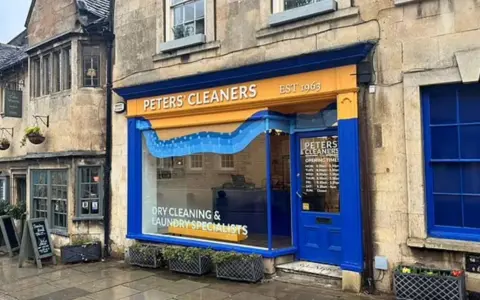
(4,144)
(18,212)
(188,260)
(4,208)
(237,266)
(81,249)
(145,255)
(34,135)
(412,282)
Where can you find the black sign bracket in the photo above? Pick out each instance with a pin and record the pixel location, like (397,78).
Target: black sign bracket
(9,131)
(44,119)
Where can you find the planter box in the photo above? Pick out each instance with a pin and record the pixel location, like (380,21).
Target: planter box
(200,266)
(428,287)
(241,270)
(146,256)
(81,253)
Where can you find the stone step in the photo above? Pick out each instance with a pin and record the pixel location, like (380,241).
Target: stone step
(310,274)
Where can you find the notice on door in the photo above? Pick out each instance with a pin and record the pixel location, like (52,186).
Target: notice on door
(320,173)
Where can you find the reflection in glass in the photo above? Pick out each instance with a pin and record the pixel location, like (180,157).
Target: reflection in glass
(290,4)
(209,203)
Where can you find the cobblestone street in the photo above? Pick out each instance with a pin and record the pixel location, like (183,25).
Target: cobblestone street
(115,280)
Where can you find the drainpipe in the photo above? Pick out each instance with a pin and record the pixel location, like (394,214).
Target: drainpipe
(367,216)
(108,134)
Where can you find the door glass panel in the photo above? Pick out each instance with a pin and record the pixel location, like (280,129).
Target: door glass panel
(320,174)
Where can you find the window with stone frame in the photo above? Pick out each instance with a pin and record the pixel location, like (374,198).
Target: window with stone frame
(187,17)
(89,192)
(56,74)
(46,74)
(285,11)
(170,168)
(67,69)
(35,77)
(50,196)
(196,162)
(227,162)
(3,189)
(452,160)
(91,55)
(51,72)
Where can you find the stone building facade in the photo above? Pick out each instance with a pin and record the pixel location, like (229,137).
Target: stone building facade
(61,75)
(417,44)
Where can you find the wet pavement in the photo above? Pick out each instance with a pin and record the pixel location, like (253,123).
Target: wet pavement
(114,280)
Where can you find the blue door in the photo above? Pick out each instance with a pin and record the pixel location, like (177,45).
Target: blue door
(318,197)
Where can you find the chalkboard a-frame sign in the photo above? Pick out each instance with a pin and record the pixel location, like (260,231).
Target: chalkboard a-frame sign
(8,234)
(36,242)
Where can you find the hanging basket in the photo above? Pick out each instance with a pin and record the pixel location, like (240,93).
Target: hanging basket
(35,138)
(4,145)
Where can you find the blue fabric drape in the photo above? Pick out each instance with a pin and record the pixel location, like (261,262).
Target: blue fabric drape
(213,142)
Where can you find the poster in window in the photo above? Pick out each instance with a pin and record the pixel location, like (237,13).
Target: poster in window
(94,207)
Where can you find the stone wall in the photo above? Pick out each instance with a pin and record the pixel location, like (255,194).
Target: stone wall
(50,18)
(419,38)
(18,124)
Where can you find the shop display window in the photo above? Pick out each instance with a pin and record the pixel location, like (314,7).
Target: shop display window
(220,197)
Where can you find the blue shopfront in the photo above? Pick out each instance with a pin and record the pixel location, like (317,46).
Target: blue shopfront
(260,159)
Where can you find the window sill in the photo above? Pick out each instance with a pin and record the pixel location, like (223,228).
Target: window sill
(299,24)
(401,2)
(186,51)
(302,12)
(82,219)
(185,42)
(59,232)
(444,244)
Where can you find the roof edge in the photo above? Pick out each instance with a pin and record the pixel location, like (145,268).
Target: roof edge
(32,5)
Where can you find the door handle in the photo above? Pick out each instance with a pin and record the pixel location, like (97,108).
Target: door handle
(299,195)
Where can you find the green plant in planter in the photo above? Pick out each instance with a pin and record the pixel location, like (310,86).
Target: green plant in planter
(186,254)
(223,257)
(31,132)
(18,211)
(79,240)
(148,250)
(4,208)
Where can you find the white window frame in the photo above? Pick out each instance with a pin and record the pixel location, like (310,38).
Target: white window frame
(220,157)
(3,183)
(279,5)
(191,160)
(169,18)
(281,16)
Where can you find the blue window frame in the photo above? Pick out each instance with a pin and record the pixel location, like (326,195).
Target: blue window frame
(451,118)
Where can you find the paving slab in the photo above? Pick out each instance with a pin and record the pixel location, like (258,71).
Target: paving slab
(151,295)
(182,287)
(115,280)
(148,283)
(204,294)
(115,293)
(66,294)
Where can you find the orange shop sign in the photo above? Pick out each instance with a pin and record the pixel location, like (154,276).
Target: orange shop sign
(265,93)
